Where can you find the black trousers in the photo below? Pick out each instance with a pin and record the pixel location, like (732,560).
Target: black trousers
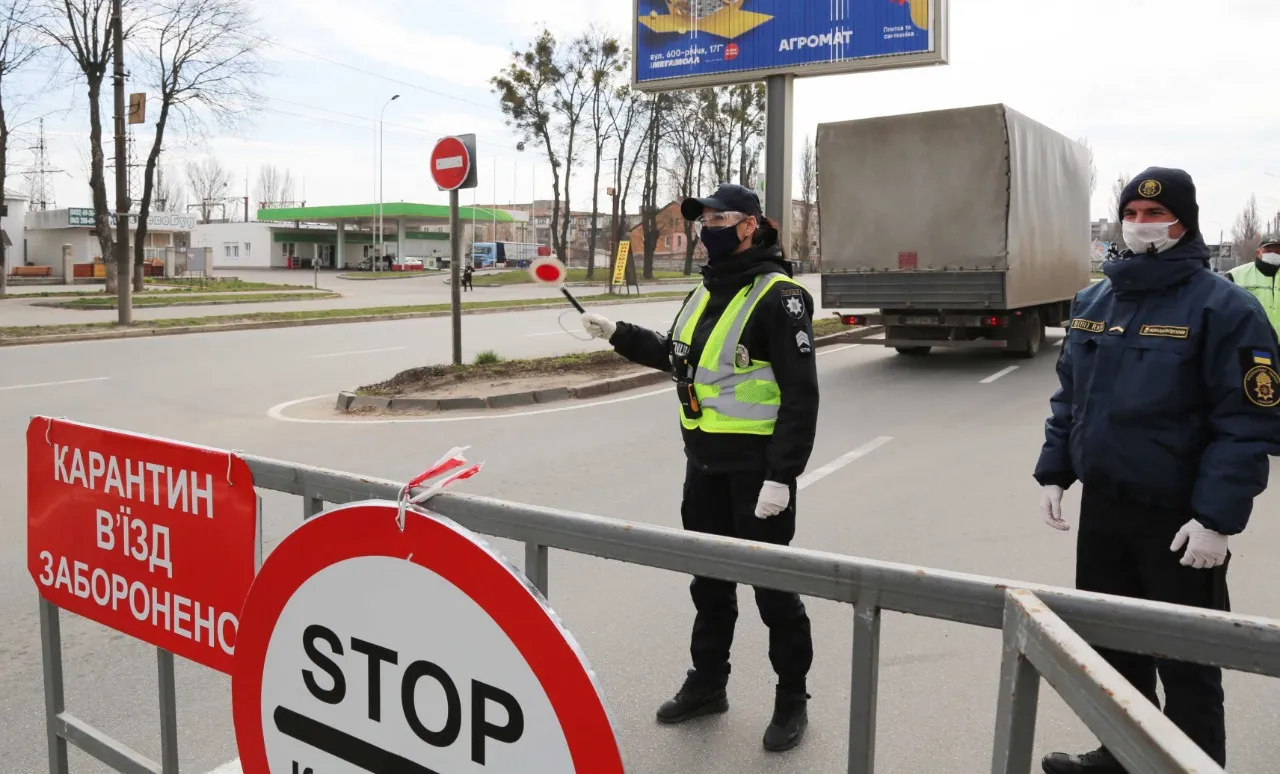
(724,504)
(1123,549)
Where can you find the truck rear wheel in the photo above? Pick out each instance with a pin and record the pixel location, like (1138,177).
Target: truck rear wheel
(916,351)
(1027,342)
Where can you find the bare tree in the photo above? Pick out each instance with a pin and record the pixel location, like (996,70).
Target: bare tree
(628,114)
(202,58)
(544,92)
(82,28)
(685,134)
(1093,167)
(746,111)
(802,242)
(649,210)
(275,186)
(210,183)
(170,195)
(19,44)
(1246,234)
(605,59)
(1115,232)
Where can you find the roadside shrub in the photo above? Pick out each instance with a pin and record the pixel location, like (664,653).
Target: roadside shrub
(487,357)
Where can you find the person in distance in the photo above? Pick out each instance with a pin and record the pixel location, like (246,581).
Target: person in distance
(1168,409)
(741,355)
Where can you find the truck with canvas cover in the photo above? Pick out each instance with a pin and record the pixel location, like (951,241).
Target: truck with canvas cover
(953,228)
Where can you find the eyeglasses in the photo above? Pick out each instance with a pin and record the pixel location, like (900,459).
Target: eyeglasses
(719,220)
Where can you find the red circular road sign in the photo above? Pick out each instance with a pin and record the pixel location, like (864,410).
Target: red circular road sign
(450,163)
(364,648)
(548,271)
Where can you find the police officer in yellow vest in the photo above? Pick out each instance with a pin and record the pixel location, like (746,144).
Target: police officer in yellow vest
(741,354)
(1259,277)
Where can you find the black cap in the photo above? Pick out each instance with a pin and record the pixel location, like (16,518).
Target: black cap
(1270,240)
(1171,187)
(729,197)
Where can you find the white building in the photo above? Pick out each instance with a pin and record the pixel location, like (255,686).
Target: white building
(239,245)
(49,231)
(12,229)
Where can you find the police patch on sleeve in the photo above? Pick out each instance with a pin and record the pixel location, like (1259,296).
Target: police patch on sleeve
(793,302)
(1262,386)
(803,343)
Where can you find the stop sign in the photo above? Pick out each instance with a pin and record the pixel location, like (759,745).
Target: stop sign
(450,163)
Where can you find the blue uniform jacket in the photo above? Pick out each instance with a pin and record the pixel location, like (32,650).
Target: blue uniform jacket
(1169,393)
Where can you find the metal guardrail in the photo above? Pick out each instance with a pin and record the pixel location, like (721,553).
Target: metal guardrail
(1048,631)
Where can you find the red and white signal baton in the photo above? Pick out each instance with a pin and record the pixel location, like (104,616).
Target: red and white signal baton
(550,271)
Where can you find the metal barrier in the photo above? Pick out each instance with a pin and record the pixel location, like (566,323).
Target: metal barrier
(1047,630)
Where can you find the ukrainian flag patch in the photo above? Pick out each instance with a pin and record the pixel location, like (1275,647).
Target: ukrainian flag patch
(1261,358)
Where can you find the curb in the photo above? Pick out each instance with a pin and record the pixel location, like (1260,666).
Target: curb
(349,401)
(228,302)
(134,333)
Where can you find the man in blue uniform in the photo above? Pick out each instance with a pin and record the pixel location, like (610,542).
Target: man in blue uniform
(1168,409)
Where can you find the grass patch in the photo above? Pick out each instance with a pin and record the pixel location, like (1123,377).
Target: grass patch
(521,277)
(417,380)
(27,331)
(487,357)
(168,287)
(825,326)
(182,299)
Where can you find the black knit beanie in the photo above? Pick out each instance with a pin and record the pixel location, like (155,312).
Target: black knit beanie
(1171,187)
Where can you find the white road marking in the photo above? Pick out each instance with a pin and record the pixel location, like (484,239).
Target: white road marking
(815,476)
(277,411)
(1059,342)
(999,374)
(230,767)
(54,384)
(360,352)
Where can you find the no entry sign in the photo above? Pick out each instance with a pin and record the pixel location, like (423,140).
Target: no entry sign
(453,162)
(364,648)
(152,538)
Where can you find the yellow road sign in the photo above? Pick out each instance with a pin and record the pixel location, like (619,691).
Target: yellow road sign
(620,268)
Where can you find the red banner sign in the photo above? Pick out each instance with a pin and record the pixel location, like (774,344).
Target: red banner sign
(151,538)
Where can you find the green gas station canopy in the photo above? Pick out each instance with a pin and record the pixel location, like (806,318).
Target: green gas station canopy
(436,212)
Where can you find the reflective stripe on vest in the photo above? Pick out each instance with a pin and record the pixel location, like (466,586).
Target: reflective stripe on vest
(733,399)
(1261,287)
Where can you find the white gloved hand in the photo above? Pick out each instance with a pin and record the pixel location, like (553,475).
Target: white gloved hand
(599,326)
(1051,507)
(774,499)
(1206,549)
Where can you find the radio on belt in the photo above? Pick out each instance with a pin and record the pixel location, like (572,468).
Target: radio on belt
(365,647)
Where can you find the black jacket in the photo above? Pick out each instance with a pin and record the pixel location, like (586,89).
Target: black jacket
(1169,392)
(773,334)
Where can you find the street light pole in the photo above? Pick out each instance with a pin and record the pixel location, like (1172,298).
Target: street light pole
(378,248)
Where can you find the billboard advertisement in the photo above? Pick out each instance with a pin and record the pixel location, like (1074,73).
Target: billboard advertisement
(691,43)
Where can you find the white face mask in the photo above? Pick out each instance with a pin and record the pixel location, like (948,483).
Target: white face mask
(1271,259)
(1141,237)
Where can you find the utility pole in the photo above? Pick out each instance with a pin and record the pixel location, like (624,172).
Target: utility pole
(124,273)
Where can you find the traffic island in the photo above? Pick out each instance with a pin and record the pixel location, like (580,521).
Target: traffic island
(524,383)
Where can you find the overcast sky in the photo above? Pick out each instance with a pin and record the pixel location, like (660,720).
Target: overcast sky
(1183,83)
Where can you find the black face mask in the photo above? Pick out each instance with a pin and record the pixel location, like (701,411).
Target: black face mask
(720,242)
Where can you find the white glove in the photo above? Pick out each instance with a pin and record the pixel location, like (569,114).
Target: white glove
(774,499)
(599,326)
(1206,549)
(1051,507)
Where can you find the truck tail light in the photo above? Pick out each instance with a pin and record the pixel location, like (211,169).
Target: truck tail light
(993,322)
(853,319)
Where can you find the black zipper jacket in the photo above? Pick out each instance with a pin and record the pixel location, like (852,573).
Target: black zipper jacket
(779,332)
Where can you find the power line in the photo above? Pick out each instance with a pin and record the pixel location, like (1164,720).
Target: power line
(406,127)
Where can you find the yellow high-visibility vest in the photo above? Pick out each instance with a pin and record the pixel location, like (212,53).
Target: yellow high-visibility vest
(734,398)
(1262,287)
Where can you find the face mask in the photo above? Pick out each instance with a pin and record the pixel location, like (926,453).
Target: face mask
(1271,259)
(1141,237)
(720,242)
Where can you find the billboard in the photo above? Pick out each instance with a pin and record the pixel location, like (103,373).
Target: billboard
(692,43)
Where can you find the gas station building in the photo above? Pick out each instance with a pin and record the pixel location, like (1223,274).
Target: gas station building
(341,236)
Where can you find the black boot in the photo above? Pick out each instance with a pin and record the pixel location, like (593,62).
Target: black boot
(790,718)
(697,697)
(1099,761)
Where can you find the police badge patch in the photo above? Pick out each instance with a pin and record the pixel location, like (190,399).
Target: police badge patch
(743,358)
(793,302)
(1262,386)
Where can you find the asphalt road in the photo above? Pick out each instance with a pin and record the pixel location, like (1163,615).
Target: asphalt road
(949,488)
